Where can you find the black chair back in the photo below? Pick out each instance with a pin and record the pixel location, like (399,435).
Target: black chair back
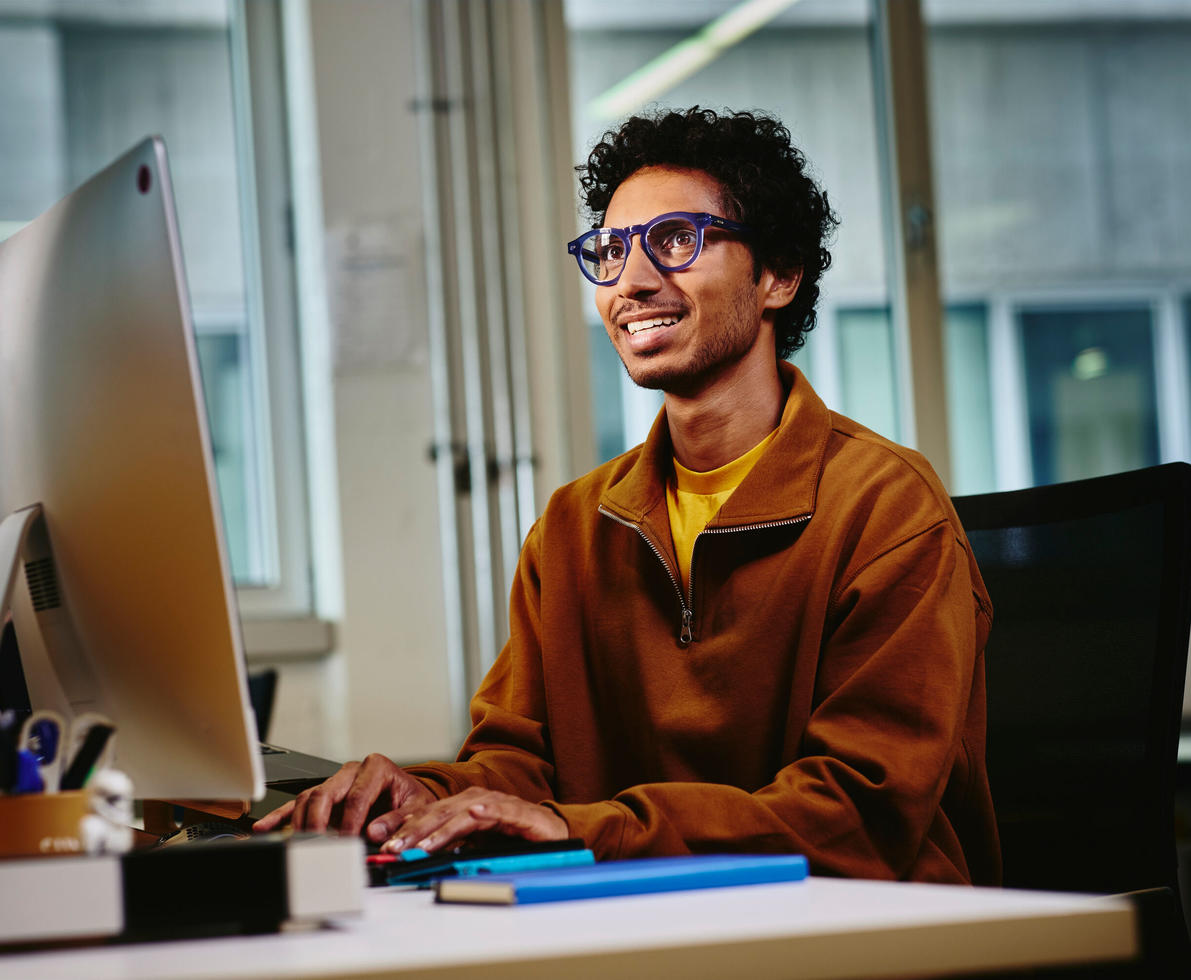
(262,692)
(1091,590)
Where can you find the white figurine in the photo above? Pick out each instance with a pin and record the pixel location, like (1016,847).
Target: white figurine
(107,829)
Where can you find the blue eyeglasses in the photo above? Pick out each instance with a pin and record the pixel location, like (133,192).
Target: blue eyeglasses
(672,241)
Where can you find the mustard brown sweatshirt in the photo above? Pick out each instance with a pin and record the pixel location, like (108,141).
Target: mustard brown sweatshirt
(818,688)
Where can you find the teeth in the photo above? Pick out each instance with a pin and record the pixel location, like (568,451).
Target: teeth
(658,321)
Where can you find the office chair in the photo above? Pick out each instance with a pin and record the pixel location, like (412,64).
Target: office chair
(1091,590)
(262,692)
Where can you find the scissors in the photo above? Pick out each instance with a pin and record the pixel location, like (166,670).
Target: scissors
(44,734)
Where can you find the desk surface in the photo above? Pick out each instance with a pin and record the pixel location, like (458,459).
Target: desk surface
(819,928)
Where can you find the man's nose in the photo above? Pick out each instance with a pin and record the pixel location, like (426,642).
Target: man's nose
(639,275)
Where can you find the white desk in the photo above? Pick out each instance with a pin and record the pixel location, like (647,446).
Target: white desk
(820,928)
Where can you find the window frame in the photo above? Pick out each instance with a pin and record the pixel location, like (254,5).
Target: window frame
(266,207)
(1170,352)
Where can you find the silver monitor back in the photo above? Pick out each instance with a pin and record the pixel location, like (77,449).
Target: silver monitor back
(102,423)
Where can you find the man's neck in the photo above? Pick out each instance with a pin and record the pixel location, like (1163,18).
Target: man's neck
(725,419)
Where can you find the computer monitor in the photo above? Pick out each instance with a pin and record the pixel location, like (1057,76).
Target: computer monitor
(121,595)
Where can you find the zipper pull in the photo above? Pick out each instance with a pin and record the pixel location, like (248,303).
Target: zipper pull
(685,636)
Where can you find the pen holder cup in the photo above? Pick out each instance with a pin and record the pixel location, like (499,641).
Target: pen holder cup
(42,824)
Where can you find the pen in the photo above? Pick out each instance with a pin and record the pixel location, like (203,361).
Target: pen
(76,734)
(79,770)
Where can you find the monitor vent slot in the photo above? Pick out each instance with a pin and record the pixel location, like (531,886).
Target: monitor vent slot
(43,584)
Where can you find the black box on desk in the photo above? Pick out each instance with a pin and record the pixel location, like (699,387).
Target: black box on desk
(197,889)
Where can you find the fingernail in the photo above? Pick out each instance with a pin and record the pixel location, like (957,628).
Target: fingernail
(377,832)
(393,846)
(478,808)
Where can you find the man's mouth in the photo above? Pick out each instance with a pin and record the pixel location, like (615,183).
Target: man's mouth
(652,323)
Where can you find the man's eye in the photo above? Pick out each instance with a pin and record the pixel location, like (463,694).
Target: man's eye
(612,252)
(674,240)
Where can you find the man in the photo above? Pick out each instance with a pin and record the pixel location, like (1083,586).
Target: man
(762,630)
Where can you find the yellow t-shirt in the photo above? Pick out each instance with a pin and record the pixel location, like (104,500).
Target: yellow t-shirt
(694,498)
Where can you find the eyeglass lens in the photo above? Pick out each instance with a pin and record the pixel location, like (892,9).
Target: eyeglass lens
(672,243)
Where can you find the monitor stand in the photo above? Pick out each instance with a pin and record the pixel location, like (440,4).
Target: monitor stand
(14,530)
(56,670)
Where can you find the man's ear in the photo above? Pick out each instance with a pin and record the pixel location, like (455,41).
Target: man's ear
(780,289)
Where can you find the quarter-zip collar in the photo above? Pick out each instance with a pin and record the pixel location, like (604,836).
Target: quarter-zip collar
(781,486)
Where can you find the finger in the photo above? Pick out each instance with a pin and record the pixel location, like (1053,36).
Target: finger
(420,824)
(312,809)
(375,775)
(274,818)
(298,816)
(410,797)
(385,826)
(458,827)
(517,818)
(493,816)
(317,811)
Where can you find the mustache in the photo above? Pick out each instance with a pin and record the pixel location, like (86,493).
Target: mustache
(628,310)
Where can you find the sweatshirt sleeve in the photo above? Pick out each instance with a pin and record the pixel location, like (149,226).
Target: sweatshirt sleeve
(863,795)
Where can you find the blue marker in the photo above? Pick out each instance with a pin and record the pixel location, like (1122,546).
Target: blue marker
(512,863)
(415,866)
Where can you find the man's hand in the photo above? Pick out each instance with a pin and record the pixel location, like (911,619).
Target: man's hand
(346,799)
(457,817)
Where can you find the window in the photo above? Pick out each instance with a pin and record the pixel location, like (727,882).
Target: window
(969,397)
(1090,391)
(866,353)
(864,361)
(1058,141)
(1057,145)
(81,83)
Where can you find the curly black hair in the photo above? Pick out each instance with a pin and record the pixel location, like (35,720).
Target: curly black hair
(765,186)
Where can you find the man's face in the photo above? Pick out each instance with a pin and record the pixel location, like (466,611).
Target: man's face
(678,331)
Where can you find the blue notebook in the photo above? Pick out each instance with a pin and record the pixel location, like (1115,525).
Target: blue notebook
(634,877)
